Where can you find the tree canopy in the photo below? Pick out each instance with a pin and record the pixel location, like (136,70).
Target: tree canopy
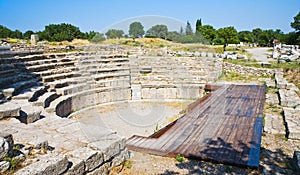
(114,33)
(136,30)
(160,31)
(296,23)
(198,25)
(208,32)
(61,32)
(229,34)
(188,29)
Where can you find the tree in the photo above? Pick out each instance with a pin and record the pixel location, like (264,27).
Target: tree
(61,32)
(229,34)
(296,23)
(188,29)
(114,33)
(296,26)
(208,32)
(17,34)
(174,36)
(246,36)
(291,38)
(198,25)
(256,33)
(28,34)
(181,31)
(160,31)
(5,32)
(267,37)
(136,30)
(98,37)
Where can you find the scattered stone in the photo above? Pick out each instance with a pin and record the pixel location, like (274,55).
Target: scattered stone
(92,159)
(145,70)
(5,148)
(30,114)
(269,82)
(272,99)
(48,164)
(9,110)
(274,124)
(292,119)
(4,166)
(39,143)
(110,146)
(77,166)
(288,98)
(104,169)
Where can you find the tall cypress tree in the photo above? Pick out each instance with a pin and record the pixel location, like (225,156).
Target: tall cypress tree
(188,29)
(198,25)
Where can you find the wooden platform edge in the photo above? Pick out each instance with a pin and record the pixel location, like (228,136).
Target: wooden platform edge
(254,152)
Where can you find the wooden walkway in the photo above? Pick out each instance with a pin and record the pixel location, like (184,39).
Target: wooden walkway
(224,126)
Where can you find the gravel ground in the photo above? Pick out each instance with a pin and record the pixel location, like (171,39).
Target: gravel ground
(259,54)
(132,118)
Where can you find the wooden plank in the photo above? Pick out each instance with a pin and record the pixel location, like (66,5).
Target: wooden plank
(228,118)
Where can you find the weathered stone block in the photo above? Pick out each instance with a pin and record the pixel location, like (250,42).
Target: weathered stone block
(110,147)
(4,166)
(48,164)
(272,99)
(9,110)
(292,118)
(103,170)
(5,148)
(92,158)
(274,124)
(77,166)
(288,98)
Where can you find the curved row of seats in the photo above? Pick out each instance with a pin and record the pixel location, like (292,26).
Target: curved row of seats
(61,83)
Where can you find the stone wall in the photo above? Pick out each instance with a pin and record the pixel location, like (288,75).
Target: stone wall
(172,77)
(243,70)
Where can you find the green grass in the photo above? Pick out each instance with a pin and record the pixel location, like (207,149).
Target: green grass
(253,63)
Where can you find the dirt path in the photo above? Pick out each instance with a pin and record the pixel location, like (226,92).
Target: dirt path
(259,54)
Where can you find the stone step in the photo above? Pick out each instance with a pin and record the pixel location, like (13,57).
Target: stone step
(113,82)
(43,60)
(31,94)
(67,81)
(107,70)
(45,100)
(73,88)
(102,66)
(6,73)
(56,71)
(15,78)
(28,112)
(17,87)
(110,75)
(47,164)
(39,68)
(9,109)
(46,60)
(55,77)
(71,105)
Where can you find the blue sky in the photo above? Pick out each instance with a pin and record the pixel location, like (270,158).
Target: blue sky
(98,14)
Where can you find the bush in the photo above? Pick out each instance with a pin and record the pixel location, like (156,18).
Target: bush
(179,158)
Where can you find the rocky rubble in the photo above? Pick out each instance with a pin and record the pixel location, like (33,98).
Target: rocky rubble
(229,67)
(290,101)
